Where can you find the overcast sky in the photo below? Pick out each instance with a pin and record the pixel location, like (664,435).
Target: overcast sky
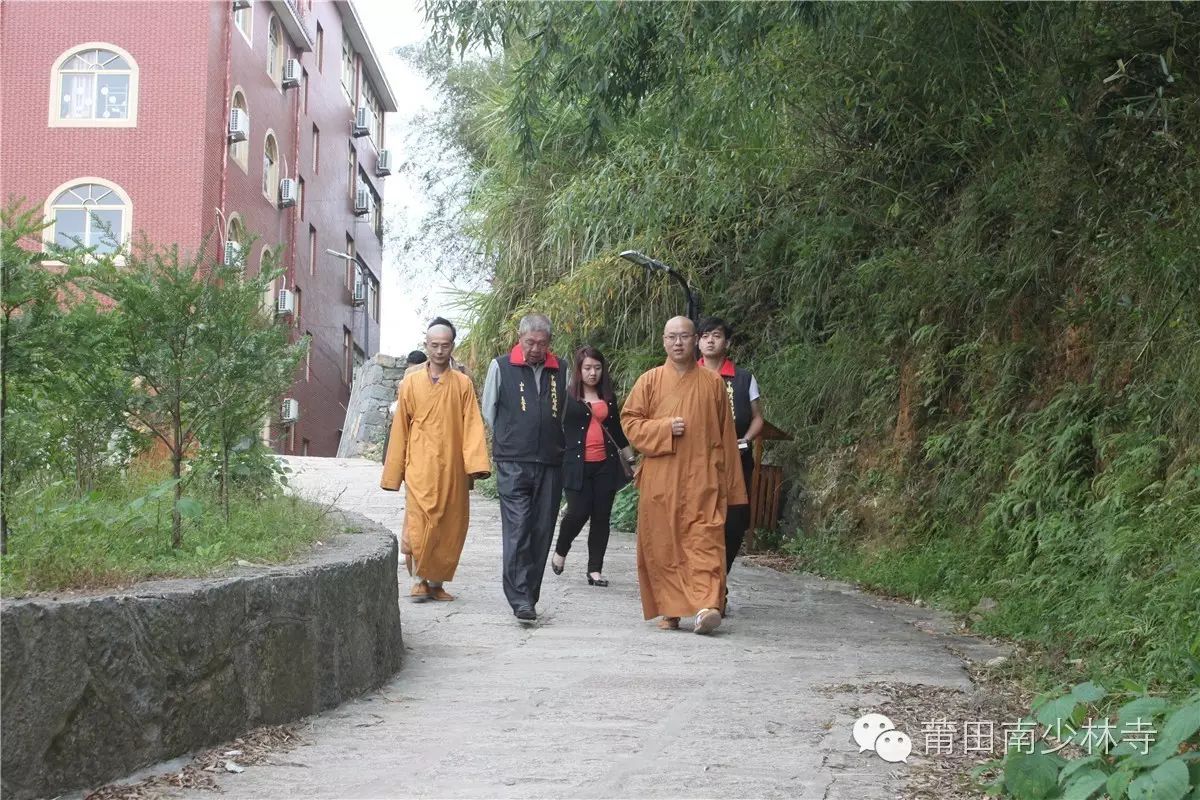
(412,290)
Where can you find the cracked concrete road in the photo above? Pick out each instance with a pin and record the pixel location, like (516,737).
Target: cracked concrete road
(594,702)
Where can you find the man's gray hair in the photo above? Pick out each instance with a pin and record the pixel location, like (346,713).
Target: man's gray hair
(534,323)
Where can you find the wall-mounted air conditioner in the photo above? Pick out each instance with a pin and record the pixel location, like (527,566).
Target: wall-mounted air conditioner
(360,292)
(232,254)
(291,73)
(287,192)
(362,201)
(286,304)
(289,410)
(240,5)
(383,163)
(239,125)
(364,121)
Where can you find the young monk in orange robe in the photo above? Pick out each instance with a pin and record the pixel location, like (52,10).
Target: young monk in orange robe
(436,447)
(677,416)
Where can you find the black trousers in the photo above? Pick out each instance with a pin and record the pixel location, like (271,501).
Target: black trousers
(737,518)
(593,501)
(529,498)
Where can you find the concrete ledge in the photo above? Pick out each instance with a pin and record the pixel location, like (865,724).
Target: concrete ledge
(96,687)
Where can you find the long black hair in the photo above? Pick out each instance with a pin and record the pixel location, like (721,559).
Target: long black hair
(605,388)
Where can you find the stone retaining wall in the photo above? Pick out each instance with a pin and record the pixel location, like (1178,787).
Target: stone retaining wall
(368,412)
(96,687)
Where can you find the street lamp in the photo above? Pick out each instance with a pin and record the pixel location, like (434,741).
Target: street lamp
(653,265)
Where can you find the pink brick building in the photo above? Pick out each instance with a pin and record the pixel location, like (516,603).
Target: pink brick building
(122,112)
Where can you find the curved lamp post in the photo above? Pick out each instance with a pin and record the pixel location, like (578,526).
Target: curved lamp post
(653,265)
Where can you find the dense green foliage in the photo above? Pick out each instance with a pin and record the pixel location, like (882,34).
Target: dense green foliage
(107,357)
(1089,743)
(959,241)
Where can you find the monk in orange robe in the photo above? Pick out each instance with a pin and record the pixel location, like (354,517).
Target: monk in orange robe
(677,417)
(436,447)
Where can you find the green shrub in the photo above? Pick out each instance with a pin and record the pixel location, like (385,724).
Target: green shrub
(1090,743)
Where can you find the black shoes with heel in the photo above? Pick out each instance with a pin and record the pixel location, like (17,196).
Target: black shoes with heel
(601,581)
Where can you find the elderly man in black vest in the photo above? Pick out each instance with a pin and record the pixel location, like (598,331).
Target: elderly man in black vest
(523,399)
(744,401)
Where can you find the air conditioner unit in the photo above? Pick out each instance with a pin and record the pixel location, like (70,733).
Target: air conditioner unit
(360,292)
(289,410)
(364,121)
(239,125)
(291,73)
(232,255)
(383,163)
(362,201)
(286,304)
(287,192)
(240,5)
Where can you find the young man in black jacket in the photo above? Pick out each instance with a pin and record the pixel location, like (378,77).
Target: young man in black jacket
(745,401)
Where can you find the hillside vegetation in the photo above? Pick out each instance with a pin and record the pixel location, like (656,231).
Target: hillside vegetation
(961,244)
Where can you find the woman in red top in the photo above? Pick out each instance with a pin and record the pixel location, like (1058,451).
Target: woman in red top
(592,472)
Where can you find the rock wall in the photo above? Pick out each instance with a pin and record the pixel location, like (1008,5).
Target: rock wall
(367,415)
(97,687)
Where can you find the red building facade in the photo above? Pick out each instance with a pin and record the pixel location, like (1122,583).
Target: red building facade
(120,114)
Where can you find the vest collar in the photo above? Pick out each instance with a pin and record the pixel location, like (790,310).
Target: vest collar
(727,369)
(517,357)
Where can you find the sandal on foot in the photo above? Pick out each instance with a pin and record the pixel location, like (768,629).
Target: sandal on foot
(669,623)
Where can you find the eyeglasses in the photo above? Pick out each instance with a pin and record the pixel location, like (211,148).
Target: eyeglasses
(678,337)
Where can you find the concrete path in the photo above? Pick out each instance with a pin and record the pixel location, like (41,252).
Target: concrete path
(594,702)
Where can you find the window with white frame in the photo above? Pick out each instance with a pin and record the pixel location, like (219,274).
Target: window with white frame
(267,262)
(243,18)
(373,297)
(270,172)
(91,215)
(371,101)
(240,151)
(349,73)
(237,231)
(94,85)
(275,49)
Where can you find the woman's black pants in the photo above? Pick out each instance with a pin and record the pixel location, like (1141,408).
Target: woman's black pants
(595,501)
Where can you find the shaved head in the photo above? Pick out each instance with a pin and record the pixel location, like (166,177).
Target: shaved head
(439,344)
(679,324)
(679,340)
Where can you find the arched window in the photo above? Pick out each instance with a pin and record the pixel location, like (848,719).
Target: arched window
(270,175)
(90,214)
(240,151)
(266,261)
(237,230)
(94,85)
(275,49)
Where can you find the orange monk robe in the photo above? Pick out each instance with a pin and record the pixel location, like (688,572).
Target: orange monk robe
(436,443)
(685,485)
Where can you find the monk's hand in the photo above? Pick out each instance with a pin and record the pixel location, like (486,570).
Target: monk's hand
(677,426)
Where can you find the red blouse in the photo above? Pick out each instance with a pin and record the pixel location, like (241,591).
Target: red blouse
(593,446)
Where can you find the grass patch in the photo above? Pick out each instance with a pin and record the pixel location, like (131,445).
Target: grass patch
(1117,627)
(120,533)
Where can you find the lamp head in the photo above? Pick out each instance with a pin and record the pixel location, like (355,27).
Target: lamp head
(643,260)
